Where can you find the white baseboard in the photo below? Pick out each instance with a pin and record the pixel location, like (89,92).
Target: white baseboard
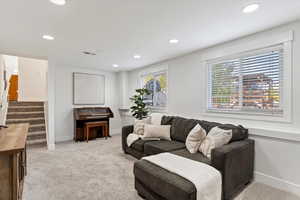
(277,183)
(51,147)
(64,138)
(116,131)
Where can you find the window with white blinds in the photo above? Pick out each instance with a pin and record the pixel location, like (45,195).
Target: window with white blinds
(247,83)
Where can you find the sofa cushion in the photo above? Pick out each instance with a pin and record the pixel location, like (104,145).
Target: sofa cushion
(238,132)
(208,125)
(139,145)
(181,127)
(155,147)
(167,120)
(195,156)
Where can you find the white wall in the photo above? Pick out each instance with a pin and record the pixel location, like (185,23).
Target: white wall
(63,94)
(123,89)
(277,160)
(2,92)
(51,106)
(10,65)
(32,79)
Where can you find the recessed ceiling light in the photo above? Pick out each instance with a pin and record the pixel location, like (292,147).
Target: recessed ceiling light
(89,53)
(251,8)
(173,41)
(48,37)
(59,2)
(136,56)
(115,65)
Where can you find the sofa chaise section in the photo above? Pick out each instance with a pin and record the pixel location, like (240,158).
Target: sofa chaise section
(155,183)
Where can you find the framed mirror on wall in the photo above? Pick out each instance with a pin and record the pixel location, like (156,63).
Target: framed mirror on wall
(88,89)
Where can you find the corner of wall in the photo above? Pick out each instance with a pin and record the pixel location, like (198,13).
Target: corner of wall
(277,183)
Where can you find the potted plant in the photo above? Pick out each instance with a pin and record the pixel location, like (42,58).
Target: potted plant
(139,110)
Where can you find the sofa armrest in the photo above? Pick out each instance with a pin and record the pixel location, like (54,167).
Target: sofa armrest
(126,130)
(235,161)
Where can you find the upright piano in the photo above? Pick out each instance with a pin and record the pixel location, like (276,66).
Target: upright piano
(90,114)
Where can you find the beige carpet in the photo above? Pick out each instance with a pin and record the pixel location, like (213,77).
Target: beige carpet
(99,170)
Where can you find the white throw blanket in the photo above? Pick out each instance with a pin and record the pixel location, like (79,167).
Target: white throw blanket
(207,180)
(131,138)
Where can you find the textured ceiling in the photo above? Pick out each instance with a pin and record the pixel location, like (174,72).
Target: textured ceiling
(118,29)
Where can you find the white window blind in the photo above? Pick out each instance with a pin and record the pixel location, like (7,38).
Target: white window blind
(247,83)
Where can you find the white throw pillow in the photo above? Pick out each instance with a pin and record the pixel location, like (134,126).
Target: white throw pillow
(156,118)
(195,138)
(216,137)
(138,127)
(157,131)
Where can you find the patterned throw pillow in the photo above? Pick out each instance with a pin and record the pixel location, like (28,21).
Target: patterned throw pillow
(195,138)
(216,137)
(139,125)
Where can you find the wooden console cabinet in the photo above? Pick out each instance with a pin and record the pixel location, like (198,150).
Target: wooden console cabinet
(12,161)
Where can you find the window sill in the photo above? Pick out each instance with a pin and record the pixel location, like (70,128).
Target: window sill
(158,109)
(260,129)
(248,116)
(276,133)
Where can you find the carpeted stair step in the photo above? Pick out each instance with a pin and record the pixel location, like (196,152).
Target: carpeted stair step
(37,127)
(36,135)
(21,104)
(25,109)
(22,115)
(26,120)
(38,142)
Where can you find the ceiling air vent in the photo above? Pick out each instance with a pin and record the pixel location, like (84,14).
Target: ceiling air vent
(89,53)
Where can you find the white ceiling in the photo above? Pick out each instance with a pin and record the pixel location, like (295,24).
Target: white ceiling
(118,29)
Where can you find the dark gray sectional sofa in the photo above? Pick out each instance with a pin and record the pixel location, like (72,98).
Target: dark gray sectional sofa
(235,161)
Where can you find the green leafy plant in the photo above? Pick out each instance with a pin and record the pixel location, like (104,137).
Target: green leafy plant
(139,109)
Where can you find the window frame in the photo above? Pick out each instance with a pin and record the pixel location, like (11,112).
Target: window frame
(155,71)
(285,90)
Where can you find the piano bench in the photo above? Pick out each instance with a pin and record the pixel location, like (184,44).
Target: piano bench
(88,125)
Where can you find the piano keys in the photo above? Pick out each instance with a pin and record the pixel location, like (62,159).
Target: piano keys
(90,114)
